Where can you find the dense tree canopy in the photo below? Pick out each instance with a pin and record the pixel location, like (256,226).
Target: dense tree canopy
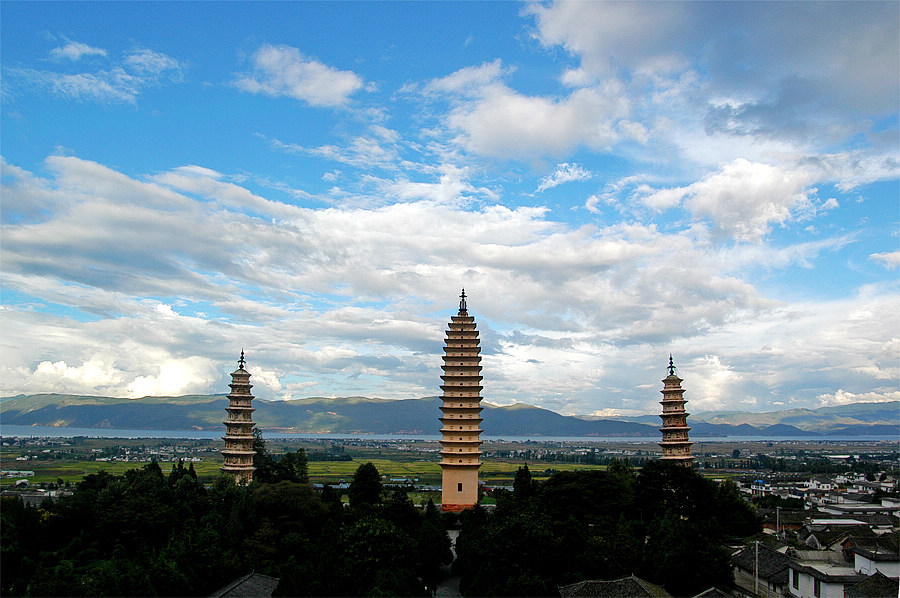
(146,533)
(604,525)
(149,534)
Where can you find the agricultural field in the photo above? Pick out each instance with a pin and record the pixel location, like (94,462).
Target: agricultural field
(334,461)
(70,460)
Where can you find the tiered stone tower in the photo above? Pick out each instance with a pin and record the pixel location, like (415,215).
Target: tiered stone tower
(675,444)
(238,437)
(461,413)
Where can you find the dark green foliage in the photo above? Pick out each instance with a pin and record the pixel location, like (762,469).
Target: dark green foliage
(772,501)
(295,466)
(365,489)
(146,533)
(604,525)
(675,547)
(149,534)
(290,467)
(522,484)
(432,547)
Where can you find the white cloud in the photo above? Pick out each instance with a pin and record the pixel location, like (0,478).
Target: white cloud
(354,300)
(75,51)
(564,173)
(744,199)
(92,374)
(174,377)
(890,260)
(610,34)
(469,81)
(505,124)
(284,71)
(842,397)
(122,82)
(807,54)
(151,65)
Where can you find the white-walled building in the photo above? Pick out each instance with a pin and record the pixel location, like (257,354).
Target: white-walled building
(821,579)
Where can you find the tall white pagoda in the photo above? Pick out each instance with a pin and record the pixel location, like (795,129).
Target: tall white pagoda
(461,413)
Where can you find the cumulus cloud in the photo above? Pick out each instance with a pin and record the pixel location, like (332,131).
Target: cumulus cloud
(744,199)
(564,173)
(890,260)
(284,71)
(842,397)
(174,377)
(87,377)
(806,55)
(469,81)
(505,124)
(75,51)
(150,65)
(354,300)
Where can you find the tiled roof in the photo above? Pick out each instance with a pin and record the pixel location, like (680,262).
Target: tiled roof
(627,587)
(254,585)
(877,548)
(877,586)
(829,572)
(773,565)
(713,593)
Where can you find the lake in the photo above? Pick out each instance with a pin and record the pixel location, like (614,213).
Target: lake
(64,432)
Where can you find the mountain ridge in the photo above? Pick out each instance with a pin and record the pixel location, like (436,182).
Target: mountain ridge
(365,415)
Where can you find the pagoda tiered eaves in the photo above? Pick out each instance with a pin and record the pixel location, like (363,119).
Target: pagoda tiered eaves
(676,445)
(461,412)
(238,451)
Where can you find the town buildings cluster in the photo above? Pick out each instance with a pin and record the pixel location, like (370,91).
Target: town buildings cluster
(840,540)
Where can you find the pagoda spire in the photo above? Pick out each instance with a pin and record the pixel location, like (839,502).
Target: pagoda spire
(461,413)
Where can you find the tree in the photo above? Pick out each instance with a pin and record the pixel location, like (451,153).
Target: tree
(433,547)
(295,466)
(523,487)
(382,557)
(365,489)
(674,548)
(262,460)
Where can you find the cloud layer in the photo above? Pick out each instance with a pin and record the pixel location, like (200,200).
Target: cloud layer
(610,182)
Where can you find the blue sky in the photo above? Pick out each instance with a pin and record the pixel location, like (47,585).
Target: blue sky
(314,182)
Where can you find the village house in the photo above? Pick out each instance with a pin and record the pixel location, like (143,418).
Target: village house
(876,553)
(761,571)
(821,579)
(877,586)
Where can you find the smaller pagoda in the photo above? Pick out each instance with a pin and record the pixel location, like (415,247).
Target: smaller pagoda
(238,437)
(675,444)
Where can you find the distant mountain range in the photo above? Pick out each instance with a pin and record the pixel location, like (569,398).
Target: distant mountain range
(362,415)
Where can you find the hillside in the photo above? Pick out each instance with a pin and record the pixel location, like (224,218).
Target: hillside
(362,415)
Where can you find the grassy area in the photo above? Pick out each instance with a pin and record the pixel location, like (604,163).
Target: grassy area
(493,472)
(74,471)
(502,473)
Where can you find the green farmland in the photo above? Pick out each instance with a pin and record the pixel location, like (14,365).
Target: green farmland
(72,459)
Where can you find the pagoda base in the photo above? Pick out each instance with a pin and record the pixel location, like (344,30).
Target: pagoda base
(456,508)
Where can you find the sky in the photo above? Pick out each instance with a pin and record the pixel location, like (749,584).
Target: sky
(315,182)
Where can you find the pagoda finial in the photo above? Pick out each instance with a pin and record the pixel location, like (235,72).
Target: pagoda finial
(241,361)
(462,300)
(671,366)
